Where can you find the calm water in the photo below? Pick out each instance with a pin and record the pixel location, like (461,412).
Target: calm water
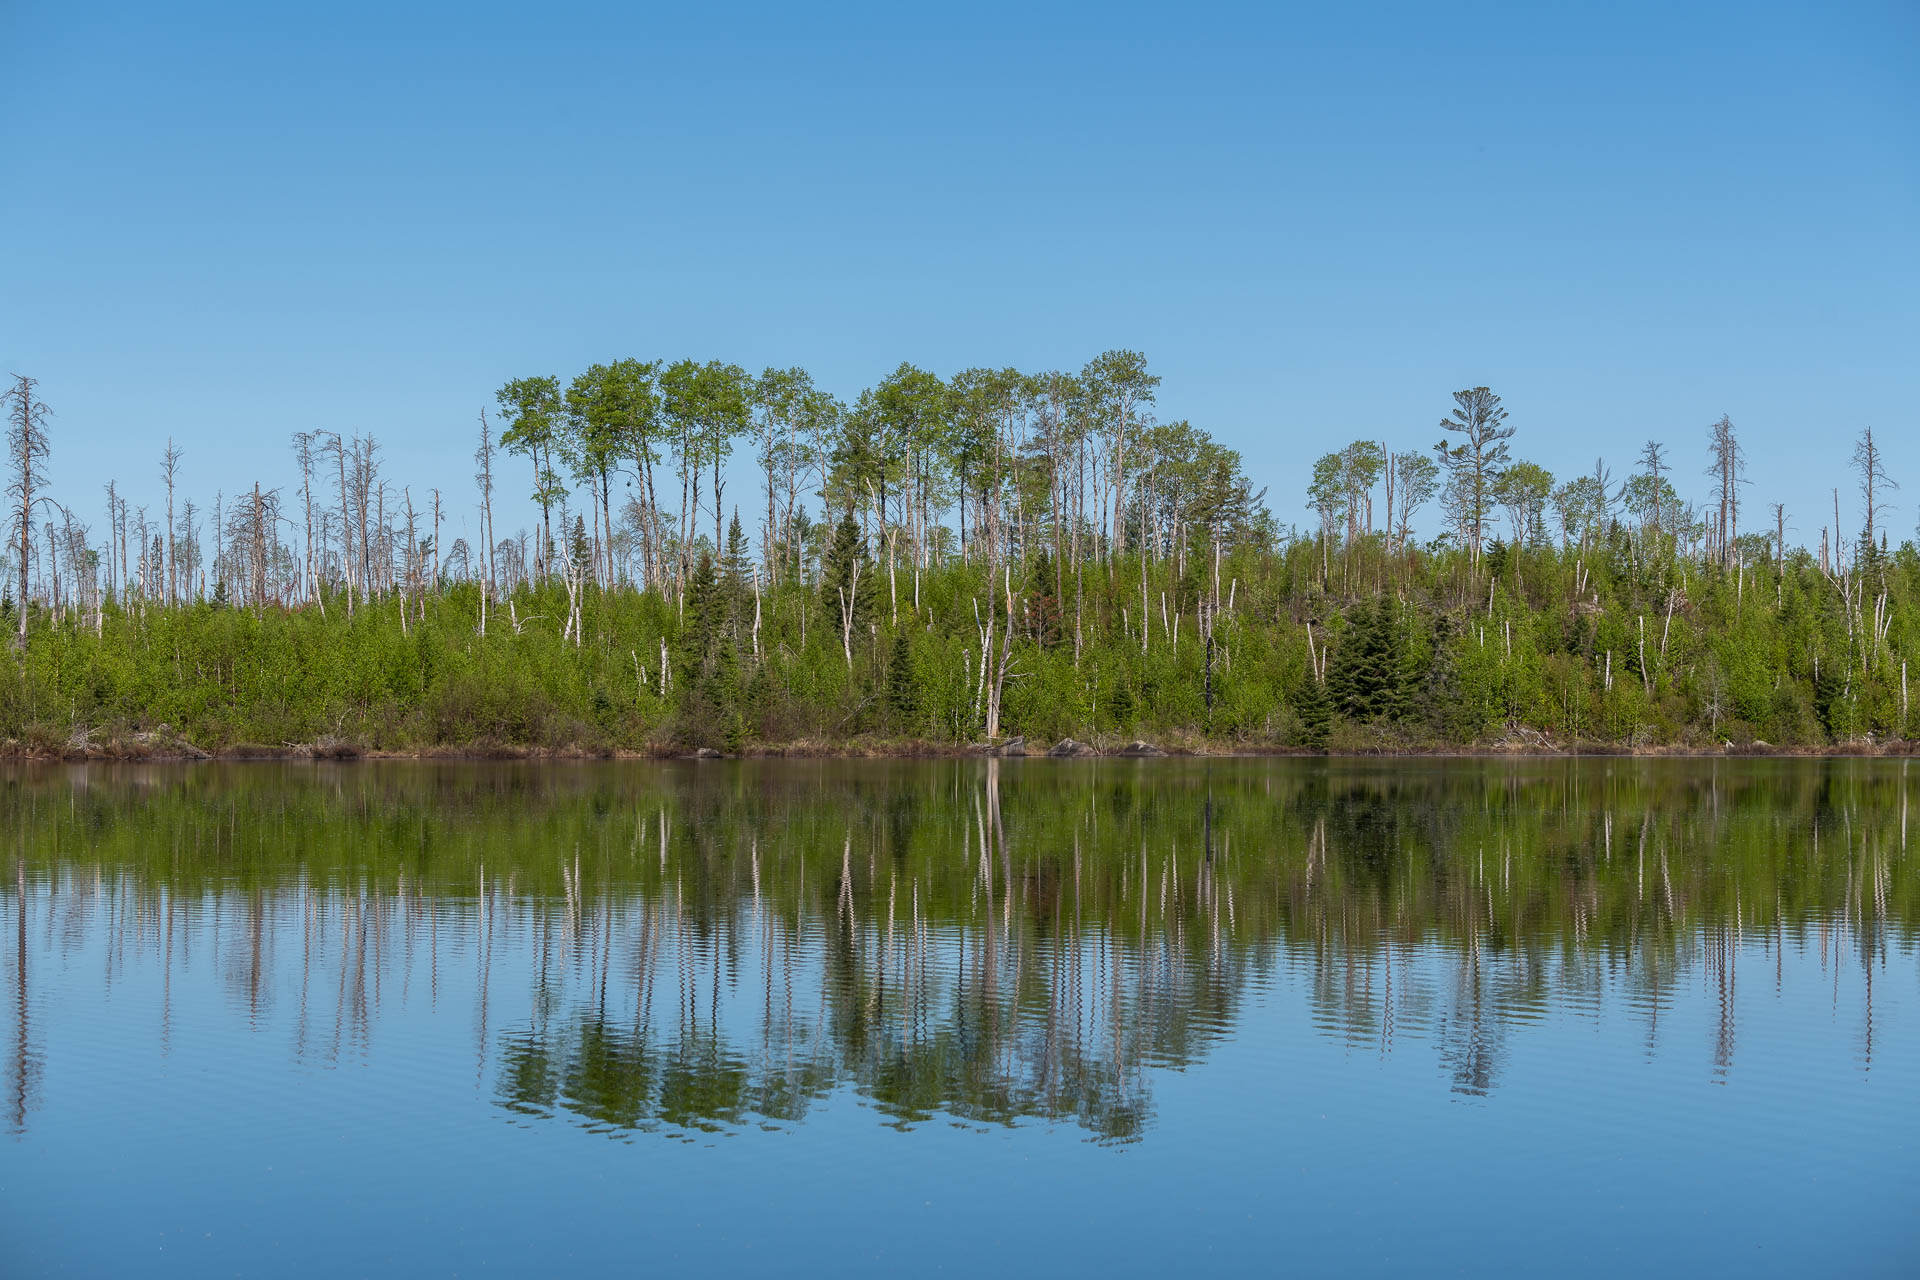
(1076,1017)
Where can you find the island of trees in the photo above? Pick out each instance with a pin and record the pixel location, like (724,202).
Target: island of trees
(943,563)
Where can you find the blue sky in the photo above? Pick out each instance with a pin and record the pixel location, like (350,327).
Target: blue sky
(227,223)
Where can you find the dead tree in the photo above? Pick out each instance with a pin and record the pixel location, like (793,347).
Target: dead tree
(1729,468)
(169,472)
(1874,482)
(27,451)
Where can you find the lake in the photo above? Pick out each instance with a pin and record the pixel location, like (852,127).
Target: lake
(1127,1017)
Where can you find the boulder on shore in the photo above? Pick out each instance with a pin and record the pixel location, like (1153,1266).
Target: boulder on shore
(1139,748)
(1067,748)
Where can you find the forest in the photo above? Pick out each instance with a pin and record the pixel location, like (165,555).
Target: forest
(700,559)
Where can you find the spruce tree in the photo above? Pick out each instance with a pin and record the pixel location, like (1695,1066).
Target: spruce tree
(1044,625)
(1315,710)
(903,694)
(578,547)
(708,668)
(1365,678)
(737,565)
(837,573)
(705,614)
(722,695)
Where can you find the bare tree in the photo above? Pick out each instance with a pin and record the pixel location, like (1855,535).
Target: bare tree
(303,453)
(483,459)
(337,446)
(27,451)
(1874,482)
(1729,468)
(1653,459)
(113,533)
(169,472)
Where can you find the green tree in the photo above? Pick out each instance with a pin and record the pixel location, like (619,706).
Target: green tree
(909,410)
(1364,676)
(611,414)
(846,573)
(1118,390)
(1315,710)
(1475,463)
(707,406)
(736,566)
(533,409)
(710,704)
(1523,489)
(903,694)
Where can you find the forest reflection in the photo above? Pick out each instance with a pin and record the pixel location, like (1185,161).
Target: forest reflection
(706,946)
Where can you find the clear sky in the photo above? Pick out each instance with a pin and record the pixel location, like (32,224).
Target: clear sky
(229,222)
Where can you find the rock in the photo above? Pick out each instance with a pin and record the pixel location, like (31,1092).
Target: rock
(1067,748)
(706,753)
(1139,748)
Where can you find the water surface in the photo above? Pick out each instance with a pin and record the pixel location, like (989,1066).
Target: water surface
(1125,1017)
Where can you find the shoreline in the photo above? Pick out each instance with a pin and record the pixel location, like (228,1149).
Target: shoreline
(180,751)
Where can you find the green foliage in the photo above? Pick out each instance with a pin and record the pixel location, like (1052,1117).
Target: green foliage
(1365,675)
(1315,712)
(847,575)
(1604,645)
(903,691)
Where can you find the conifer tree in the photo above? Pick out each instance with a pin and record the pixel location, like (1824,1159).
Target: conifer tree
(737,564)
(709,667)
(1365,676)
(1315,710)
(903,695)
(846,573)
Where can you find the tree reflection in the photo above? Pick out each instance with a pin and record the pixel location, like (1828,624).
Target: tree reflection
(692,949)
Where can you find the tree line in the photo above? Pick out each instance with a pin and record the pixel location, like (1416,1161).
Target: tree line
(988,553)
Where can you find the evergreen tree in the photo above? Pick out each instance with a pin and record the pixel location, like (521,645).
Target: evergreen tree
(578,547)
(1042,607)
(846,552)
(1830,696)
(722,695)
(737,565)
(1364,679)
(903,694)
(705,614)
(1315,710)
(709,702)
